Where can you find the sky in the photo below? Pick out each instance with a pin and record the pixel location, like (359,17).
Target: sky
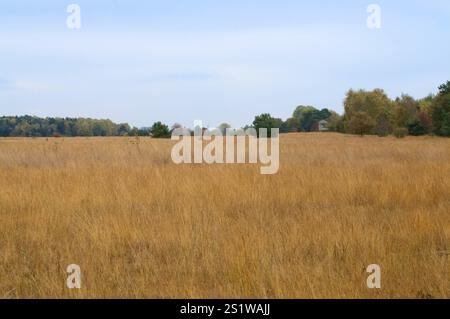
(217,61)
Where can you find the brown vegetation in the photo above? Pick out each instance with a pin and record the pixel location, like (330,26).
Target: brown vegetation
(141,226)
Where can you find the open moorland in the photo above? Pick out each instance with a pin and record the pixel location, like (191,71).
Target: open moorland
(140,226)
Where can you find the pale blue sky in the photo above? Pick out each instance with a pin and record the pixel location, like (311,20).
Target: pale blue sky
(178,61)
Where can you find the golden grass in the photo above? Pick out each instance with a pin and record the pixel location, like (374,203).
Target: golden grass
(141,226)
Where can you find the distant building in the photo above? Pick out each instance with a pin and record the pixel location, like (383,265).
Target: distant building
(323,126)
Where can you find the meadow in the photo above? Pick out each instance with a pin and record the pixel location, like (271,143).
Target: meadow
(140,226)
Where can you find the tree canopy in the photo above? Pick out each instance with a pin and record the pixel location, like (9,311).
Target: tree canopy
(265,120)
(440,111)
(160,130)
(32,126)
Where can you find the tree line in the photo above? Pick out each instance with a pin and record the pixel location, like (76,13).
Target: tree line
(373,113)
(32,126)
(366,113)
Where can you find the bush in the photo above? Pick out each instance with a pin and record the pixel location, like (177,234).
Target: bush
(361,123)
(160,130)
(400,132)
(266,121)
(416,128)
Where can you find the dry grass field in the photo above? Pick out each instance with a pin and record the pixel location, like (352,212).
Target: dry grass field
(141,226)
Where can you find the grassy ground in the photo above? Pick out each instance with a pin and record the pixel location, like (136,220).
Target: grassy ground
(141,226)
